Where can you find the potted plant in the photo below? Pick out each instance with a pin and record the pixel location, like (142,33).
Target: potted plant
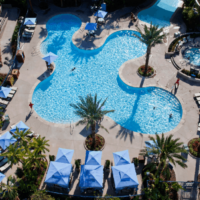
(78,164)
(51,157)
(136,162)
(107,166)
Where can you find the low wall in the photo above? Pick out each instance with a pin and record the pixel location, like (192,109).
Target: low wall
(182,75)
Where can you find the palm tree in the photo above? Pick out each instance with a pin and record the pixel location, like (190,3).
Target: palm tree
(150,37)
(90,111)
(40,145)
(14,154)
(166,150)
(9,190)
(41,194)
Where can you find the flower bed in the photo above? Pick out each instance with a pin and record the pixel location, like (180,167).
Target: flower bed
(99,143)
(194,147)
(150,71)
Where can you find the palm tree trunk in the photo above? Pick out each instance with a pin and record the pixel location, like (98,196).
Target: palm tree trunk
(147,59)
(31,5)
(93,133)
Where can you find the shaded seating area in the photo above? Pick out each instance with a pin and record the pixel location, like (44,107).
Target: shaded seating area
(29,29)
(59,175)
(123,177)
(91,27)
(100,14)
(49,58)
(91,178)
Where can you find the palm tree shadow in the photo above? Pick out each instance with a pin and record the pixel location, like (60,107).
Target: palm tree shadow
(85,132)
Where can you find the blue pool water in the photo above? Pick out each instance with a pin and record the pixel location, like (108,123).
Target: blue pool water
(97,72)
(160,13)
(193,55)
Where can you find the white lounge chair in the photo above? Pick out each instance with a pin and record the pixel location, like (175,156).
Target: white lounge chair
(3,168)
(197,95)
(177,34)
(31,133)
(12,92)
(198,128)
(14,88)
(9,96)
(4,102)
(198,98)
(29,31)
(31,26)
(36,136)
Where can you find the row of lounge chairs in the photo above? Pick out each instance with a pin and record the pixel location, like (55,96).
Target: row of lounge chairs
(5,101)
(197,98)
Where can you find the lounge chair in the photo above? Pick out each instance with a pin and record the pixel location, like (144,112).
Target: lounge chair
(197,95)
(198,129)
(14,88)
(31,134)
(31,26)
(36,136)
(3,162)
(5,166)
(10,96)
(12,92)
(198,98)
(29,31)
(4,102)
(177,34)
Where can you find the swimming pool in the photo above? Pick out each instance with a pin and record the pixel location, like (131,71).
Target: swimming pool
(193,55)
(97,72)
(160,13)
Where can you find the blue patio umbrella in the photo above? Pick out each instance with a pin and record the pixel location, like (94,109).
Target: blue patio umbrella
(6,139)
(100,13)
(59,174)
(30,21)
(125,176)
(4,91)
(93,157)
(91,26)
(121,157)
(2,176)
(91,176)
(64,155)
(50,57)
(21,126)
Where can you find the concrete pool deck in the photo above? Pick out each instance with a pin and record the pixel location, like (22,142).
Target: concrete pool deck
(34,70)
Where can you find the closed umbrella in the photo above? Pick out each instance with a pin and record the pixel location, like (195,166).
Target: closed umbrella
(21,126)
(125,176)
(121,157)
(50,57)
(6,139)
(4,91)
(91,26)
(64,155)
(93,157)
(100,13)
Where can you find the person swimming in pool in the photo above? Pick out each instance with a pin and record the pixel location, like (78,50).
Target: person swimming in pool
(73,69)
(170,116)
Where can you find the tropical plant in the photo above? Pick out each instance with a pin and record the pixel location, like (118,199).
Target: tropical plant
(90,111)
(165,150)
(150,37)
(9,190)
(107,164)
(41,195)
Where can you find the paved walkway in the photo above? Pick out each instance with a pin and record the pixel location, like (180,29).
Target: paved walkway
(34,70)
(13,14)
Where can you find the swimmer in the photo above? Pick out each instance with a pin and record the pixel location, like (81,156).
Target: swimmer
(154,108)
(73,69)
(170,116)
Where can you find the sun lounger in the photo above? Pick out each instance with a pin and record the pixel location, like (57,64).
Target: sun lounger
(36,136)
(31,26)
(198,98)
(14,88)
(12,92)
(177,34)
(197,95)
(198,128)
(5,167)
(9,96)
(29,31)
(4,102)
(31,134)
(3,162)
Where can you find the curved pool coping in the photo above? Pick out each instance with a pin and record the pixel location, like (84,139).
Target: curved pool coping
(120,75)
